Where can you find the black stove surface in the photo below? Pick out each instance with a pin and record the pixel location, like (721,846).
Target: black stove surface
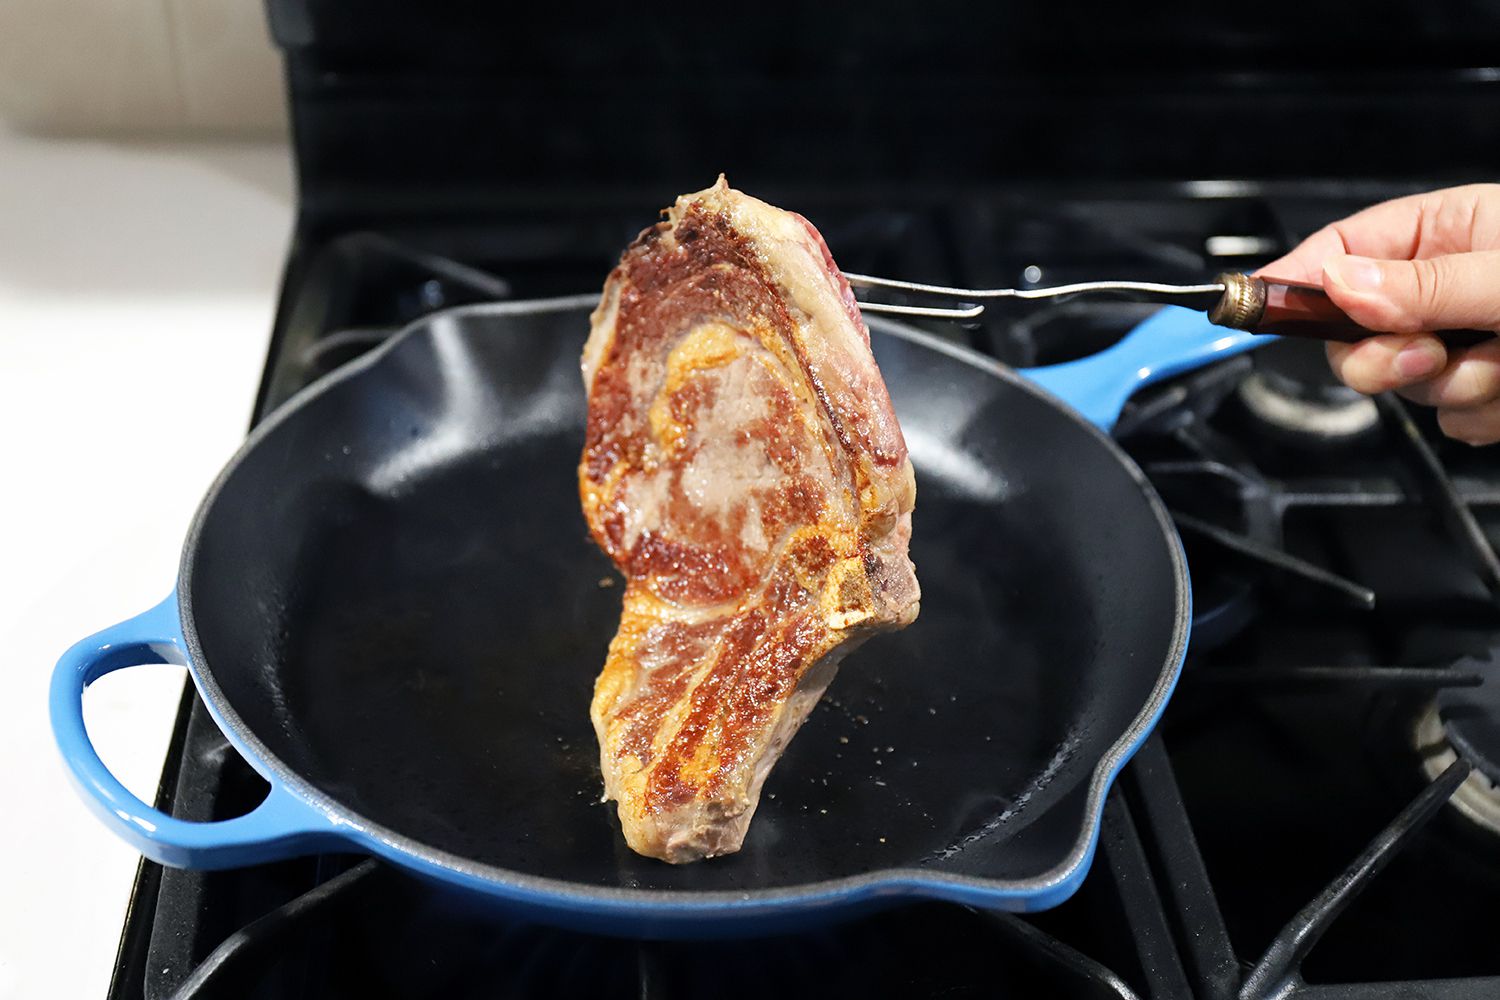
(1288,830)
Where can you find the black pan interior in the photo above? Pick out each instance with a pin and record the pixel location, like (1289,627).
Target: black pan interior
(394,591)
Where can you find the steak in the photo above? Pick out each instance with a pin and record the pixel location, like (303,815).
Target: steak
(744,469)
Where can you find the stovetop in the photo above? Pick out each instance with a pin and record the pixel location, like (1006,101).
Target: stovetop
(1289,824)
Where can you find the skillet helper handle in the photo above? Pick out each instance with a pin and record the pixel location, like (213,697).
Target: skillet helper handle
(1170,341)
(1295,309)
(282,826)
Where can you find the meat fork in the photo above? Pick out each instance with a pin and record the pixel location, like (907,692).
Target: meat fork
(1239,301)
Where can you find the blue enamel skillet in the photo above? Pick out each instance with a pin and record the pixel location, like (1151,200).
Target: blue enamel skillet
(389,603)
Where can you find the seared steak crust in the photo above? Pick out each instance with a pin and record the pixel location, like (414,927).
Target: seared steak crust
(743,467)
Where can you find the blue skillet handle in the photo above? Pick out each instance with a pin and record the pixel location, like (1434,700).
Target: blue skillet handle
(283,825)
(1170,341)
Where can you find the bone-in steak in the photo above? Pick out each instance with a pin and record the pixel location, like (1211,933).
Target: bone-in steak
(743,467)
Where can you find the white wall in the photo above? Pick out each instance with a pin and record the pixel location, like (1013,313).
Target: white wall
(140,67)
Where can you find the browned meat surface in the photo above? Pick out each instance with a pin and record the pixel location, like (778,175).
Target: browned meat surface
(743,467)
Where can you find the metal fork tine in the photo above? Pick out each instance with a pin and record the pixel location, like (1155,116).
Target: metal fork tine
(916,287)
(940,313)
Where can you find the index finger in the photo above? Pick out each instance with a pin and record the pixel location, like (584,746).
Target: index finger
(1305,262)
(1390,230)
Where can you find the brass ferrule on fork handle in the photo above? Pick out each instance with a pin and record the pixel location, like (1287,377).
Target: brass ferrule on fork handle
(1242,303)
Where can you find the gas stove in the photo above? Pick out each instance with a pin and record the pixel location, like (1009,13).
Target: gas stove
(1316,816)
(1321,787)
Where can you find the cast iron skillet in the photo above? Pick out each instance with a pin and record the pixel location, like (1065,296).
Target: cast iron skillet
(390,603)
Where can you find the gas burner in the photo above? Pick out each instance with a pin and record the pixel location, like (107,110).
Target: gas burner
(1465,721)
(1478,798)
(1293,394)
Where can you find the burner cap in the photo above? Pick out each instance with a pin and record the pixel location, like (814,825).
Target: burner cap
(1466,722)
(1292,390)
(1471,716)
(1478,798)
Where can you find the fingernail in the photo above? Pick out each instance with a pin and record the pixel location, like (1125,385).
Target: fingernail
(1358,274)
(1419,360)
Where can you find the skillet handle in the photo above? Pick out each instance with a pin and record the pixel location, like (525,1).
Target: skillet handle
(283,825)
(1170,341)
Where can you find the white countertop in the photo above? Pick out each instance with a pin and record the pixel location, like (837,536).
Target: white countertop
(137,289)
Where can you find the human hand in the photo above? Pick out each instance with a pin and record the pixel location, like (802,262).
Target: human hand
(1424,262)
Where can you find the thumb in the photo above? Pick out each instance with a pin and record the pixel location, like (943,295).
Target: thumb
(1407,296)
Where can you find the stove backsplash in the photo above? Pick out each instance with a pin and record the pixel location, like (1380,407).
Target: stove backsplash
(396,113)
